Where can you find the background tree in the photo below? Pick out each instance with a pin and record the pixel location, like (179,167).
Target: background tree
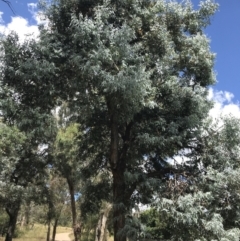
(57,200)
(203,206)
(101,227)
(12,143)
(37,126)
(22,170)
(95,205)
(155,225)
(66,156)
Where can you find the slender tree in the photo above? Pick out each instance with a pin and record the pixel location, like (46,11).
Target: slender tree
(58,197)
(101,227)
(66,158)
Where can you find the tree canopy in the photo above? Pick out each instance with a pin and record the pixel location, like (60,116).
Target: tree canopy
(135,75)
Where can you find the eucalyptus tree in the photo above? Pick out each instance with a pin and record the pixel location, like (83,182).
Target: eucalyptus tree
(19,113)
(155,224)
(12,143)
(67,164)
(101,227)
(204,205)
(57,199)
(136,72)
(21,174)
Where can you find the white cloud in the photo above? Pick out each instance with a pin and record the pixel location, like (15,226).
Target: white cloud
(37,15)
(223,100)
(1,19)
(220,96)
(21,26)
(223,104)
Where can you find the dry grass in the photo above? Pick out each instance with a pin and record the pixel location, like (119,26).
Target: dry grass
(89,236)
(63,229)
(37,233)
(110,238)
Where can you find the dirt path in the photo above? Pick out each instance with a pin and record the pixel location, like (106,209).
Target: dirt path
(62,237)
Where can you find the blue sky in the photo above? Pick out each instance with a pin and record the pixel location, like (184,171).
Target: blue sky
(20,8)
(224,33)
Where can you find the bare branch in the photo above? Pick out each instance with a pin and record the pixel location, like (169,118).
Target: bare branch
(9,5)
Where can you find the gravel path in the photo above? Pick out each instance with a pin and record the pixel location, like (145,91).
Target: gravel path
(62,237)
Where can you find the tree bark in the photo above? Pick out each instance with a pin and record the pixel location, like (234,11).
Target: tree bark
(101,225)
(118,167)
(27,213)
(12,213)
(119,207)
(49,230)
(54,228)
(23,221)
(73,207)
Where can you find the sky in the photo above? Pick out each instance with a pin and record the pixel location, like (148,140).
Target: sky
(224,33)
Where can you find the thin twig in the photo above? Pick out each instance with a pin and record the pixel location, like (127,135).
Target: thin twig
(9,5)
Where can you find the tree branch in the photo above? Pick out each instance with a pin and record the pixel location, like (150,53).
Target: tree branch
(9,5)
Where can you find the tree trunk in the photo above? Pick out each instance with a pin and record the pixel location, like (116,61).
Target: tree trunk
(54,229)
(119,207)
(23,221)
(101,225)
(118,167)
(27,213)
(49,230)
(12,222)
(73,207)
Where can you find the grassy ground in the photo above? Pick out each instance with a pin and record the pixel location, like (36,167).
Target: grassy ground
(87,236)
(37,233)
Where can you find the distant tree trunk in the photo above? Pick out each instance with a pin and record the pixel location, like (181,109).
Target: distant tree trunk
(23,221)
(55,228)
(4,230)
(73,207)
(27,213)
(49,230)
(12,213)
(101,225)
(25,218)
